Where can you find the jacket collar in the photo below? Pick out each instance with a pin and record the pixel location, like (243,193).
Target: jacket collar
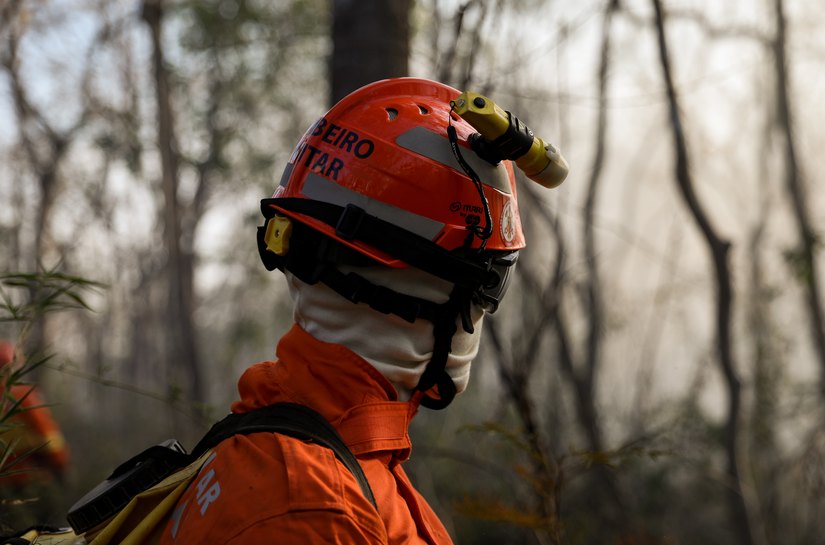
(344,388)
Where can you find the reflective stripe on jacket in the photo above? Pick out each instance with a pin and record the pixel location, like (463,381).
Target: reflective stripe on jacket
(267,488)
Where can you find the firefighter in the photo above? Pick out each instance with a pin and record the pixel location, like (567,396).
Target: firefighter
(395,238)
(39,459)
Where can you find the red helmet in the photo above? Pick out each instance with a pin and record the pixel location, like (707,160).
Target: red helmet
(385,146)
(387,176)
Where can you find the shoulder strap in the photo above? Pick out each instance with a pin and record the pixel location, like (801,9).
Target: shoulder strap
(293,420)
(156,463)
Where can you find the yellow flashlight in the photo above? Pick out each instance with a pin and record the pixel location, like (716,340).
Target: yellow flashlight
(503,136)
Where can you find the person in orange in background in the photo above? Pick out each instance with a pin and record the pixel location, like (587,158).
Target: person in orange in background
(40,454)
(396,238)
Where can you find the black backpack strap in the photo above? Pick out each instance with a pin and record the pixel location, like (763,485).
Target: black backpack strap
(293,420)
(146,469)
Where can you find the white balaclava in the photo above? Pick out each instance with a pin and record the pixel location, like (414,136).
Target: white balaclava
(398,349)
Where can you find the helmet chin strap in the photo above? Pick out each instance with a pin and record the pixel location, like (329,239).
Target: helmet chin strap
(444,323)
(444,328)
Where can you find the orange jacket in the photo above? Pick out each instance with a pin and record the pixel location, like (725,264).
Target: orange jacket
(268,488)
(35,435)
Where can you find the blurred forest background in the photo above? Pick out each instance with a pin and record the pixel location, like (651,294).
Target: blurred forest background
(657,373)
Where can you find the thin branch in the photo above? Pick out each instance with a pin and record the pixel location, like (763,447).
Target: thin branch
(710,28)
(546,472)
(448,62)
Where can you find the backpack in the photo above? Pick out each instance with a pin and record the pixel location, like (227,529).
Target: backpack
(132,506)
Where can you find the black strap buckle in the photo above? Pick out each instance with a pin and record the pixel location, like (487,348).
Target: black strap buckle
(350,222)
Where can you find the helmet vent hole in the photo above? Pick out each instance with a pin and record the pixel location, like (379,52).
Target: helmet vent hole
(423,110)
(392,113)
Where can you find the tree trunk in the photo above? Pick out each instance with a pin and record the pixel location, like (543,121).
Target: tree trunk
(719,253)
(804,258)
(588,413)
(45,165)
(371,41)
(184,363)
(763,453)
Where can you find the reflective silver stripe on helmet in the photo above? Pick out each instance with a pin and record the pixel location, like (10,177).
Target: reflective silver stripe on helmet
(436,147)
(286,174)
(321,189)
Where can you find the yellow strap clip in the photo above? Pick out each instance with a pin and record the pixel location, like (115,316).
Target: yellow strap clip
(278,233)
